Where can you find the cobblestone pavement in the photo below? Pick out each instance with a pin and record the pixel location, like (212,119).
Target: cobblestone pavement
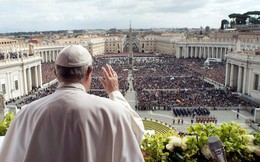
(166,116)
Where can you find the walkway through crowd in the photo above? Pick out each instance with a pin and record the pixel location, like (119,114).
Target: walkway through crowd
(131,94)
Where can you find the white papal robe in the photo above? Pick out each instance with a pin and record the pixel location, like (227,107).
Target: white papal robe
(71,125)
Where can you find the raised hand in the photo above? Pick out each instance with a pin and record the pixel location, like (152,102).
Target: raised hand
(110,80)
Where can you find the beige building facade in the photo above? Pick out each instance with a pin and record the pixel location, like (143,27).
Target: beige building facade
(20,64)
(5,41)
(98,45)
(181,46)
(243,72)
(163,44)
(147,44)
(20,75)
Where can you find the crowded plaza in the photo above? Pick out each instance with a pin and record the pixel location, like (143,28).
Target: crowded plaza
(161,83)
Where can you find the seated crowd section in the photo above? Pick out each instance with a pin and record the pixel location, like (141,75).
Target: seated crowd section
(167,82)
(161,82)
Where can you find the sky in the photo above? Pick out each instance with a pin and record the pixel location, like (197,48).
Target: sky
(46,15)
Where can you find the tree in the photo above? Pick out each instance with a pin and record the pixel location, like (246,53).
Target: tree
(253,20)
(254,17)
(224,24)
(239,19)
(255,13)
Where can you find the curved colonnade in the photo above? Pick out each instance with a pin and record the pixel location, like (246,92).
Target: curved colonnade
(211,48)
(242,73)
(19,76)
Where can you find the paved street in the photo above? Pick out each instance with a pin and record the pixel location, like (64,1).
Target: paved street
(222,116)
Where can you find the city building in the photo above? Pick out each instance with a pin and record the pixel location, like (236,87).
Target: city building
(20,73)
(5,41)
(98,45)
(20,63)
(161,44)
(243,72)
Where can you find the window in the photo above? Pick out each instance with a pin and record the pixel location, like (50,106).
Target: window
(257,85)
(3,89)
(16,84)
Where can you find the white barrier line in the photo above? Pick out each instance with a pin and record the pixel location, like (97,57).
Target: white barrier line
(151,112)
(240,114)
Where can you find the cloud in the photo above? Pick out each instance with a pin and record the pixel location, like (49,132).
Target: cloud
(29,15)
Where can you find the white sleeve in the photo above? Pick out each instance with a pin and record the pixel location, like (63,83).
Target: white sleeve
(136,120)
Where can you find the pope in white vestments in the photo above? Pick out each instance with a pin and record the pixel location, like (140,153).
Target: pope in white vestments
(72,125)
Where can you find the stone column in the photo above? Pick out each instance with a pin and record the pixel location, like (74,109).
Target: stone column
(43,56)
(36,76)
(244,90)
(221,53)
(25,84)
(227,76)
(8,85)
(181,51)
(40,52)
(231,75)
(217,55)
(177,54)
(200,52)
(49,56)
(29,79)
(249,81)
(186,54)
(53,56)
(191,51)
(46,57)
(225,52)
(212,52)
(239,79)
(204,52)
(39,68)
(196,52)
(209,52)
(184,51)
(20,81)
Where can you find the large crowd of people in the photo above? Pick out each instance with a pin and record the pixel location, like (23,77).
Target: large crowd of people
(148,100)
(167,82)
(47,72)
(163,82)
(214,70)
(33,95)
(96,87)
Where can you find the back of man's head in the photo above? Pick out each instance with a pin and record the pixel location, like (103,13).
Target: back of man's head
(72,63)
